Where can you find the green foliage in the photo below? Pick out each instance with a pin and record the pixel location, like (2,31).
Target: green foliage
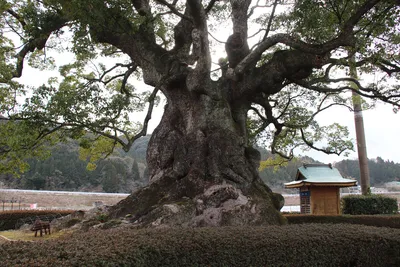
(292,245)
(21,143)
(298,109)
(275,162)
(63,170)
(94,150)
(276,175)
(135,175)
(380,171)
(102,217)
(110,180)
(36,182)
(370,204)
(108,224)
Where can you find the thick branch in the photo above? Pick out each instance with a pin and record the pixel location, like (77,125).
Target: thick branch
(382,64)
(183,37)
(293,42)
(17,17)
(137,42)
(345,38)
(236,46)
(142,7)
(38,42)
(371,93)
(201,49)
(143,132)
(271,17)
(210,6)
(286,66)
(173,9)
(311,145)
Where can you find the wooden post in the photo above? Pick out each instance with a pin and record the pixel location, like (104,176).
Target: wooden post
(360,135)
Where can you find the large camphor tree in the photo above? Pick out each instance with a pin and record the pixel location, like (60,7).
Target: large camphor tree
(231,71)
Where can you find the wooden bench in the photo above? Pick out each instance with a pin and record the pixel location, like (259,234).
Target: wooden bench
(40,226)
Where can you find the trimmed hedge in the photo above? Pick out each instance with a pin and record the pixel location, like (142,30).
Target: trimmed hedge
(289,245)
(9,219)
(369,205)
(391,221)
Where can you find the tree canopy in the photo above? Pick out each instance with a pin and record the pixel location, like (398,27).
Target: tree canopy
(282,64)
(159,40)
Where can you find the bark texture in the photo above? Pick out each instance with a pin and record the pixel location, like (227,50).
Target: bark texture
(202,172)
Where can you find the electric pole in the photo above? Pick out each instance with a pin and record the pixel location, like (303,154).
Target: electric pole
(360,134)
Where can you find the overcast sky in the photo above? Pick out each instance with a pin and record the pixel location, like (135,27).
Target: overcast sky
(382,132)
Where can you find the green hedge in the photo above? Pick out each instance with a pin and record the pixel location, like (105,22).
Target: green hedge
(289,245)
(392,221)
(370,204)
(9,219)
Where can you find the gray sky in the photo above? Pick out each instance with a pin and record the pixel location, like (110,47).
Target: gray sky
(382,132)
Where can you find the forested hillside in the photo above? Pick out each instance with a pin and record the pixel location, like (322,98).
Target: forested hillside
(124,172)
(381,171)
(63,170)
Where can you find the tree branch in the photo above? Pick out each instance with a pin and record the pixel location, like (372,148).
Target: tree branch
(38,42)
(17,17)
(210,6)
(236,46)
(360,90)
(345,38)
(174,10)
(311,145)
(142,7)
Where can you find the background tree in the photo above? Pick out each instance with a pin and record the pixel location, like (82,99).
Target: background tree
(110,179)
(201,164)
(381,171)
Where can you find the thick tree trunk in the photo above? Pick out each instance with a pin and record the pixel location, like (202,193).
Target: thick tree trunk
(202,173)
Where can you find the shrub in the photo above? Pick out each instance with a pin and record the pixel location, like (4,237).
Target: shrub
(102,217)
(289,245)
(72,222)
(111,223)
(9,219)
(392,221)
(370,204)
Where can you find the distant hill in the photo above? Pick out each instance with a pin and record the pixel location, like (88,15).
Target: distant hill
(380,171)
(63,170)
(124,172)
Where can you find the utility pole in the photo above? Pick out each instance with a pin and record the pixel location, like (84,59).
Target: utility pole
(360,134)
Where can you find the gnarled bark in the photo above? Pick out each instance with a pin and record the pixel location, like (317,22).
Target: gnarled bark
(202,172)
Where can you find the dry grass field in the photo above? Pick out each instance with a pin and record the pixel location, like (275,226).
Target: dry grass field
(56,199)
(27,235)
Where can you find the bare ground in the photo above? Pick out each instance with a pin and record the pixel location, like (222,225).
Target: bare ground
(56,199)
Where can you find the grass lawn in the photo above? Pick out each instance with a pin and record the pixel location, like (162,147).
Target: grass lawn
(26,235)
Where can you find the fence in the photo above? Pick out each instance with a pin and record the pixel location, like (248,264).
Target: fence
(13,203)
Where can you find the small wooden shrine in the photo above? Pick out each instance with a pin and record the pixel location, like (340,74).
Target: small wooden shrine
(319,186)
